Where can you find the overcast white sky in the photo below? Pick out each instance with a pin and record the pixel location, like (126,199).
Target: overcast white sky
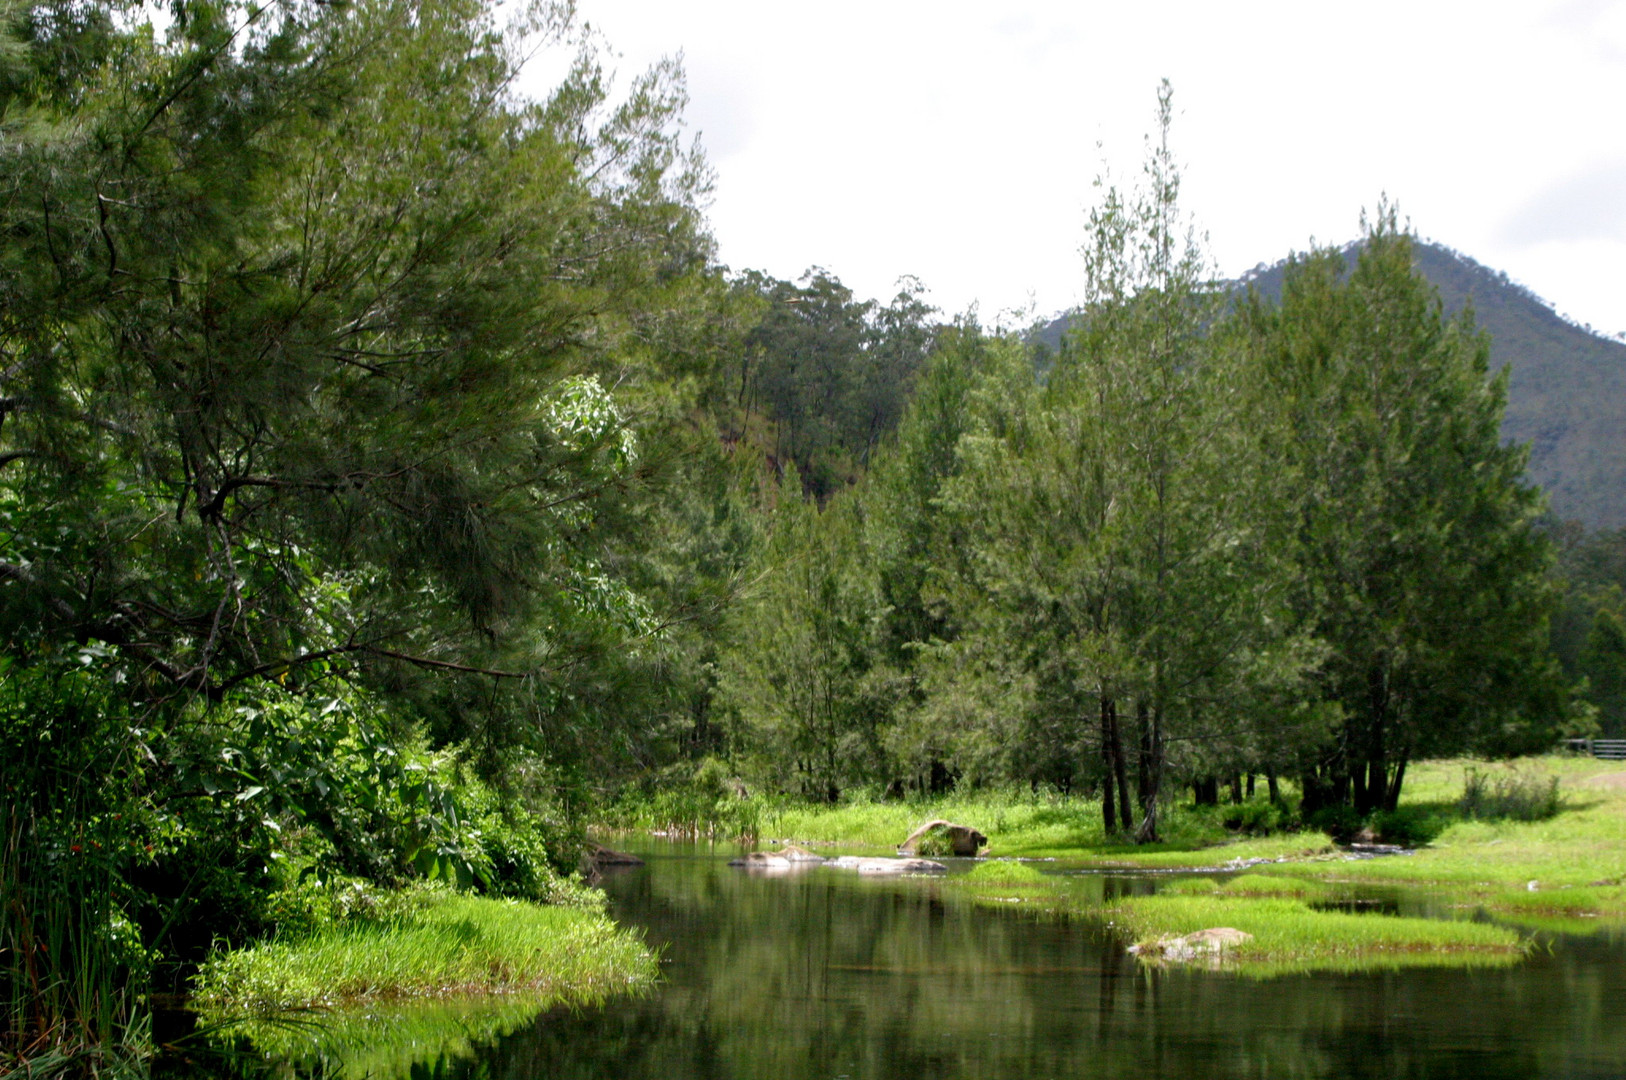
(957,141)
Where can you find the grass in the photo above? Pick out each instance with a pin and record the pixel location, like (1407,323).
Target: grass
(1576,857)
(1248,885)
(438,944)
(1572,864)
(1290,936)
(1022,826)
(1003,882)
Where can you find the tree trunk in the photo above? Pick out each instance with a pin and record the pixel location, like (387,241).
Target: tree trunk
(1120,765)
(1109,811)
(1391,797)
(1315,794)
(1372,773)
(1272,787)
(1145,757)
(1236,789)
(1147,833)
(1250,785)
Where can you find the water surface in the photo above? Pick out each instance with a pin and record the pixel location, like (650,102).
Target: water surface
(825,975)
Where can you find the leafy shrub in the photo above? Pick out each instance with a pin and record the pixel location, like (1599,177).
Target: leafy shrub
(1409,825)
(1257,818)
(1339,822)
(1511,796)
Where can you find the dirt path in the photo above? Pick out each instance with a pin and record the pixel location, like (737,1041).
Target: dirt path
(1611,781)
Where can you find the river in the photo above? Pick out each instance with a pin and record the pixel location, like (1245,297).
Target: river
(825,975)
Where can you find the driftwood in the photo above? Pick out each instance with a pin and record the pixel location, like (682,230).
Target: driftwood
(596,858)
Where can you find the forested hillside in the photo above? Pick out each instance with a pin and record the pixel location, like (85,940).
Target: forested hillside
(1566,396)
(1567,392)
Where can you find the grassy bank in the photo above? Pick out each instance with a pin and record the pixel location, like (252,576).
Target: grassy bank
(1577,857)
(1572,864)
(430,944)
(1544,863)
(1289,933)
(1038,827)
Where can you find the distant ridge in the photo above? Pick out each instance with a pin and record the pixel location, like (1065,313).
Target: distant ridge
(1566,388)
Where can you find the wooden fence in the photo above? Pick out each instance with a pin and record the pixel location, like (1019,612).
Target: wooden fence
(1607,749)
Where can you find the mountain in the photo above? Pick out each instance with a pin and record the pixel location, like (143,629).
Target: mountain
(1566,387)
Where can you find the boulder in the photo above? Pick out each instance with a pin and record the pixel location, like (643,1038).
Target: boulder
(883,867)
(790,857)
(963,840)
(1211,943)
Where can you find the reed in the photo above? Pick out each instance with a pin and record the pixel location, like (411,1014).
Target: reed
(71,970)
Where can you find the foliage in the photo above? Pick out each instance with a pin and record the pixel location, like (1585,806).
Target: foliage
(829,375)
(1418,563)
(322,350)
(1564,387)
(71,962)
(1510,796)
(801,675)
(707,802)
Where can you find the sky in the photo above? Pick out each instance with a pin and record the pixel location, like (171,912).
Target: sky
(959,142)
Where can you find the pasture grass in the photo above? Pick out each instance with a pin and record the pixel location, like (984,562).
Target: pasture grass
(1020,825)
(1571,864)
(1291,936)
(439,944)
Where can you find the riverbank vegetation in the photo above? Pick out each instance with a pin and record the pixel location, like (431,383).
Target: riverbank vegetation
(421,944)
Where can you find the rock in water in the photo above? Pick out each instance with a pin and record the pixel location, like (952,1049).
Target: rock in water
(1204,943)
(963,840)
(790,857)
(882,867)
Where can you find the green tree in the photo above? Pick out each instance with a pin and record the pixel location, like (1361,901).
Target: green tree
(301,296)
(799,669)
(1116,532)
(308,332)
(1418,560)
(1603,662)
